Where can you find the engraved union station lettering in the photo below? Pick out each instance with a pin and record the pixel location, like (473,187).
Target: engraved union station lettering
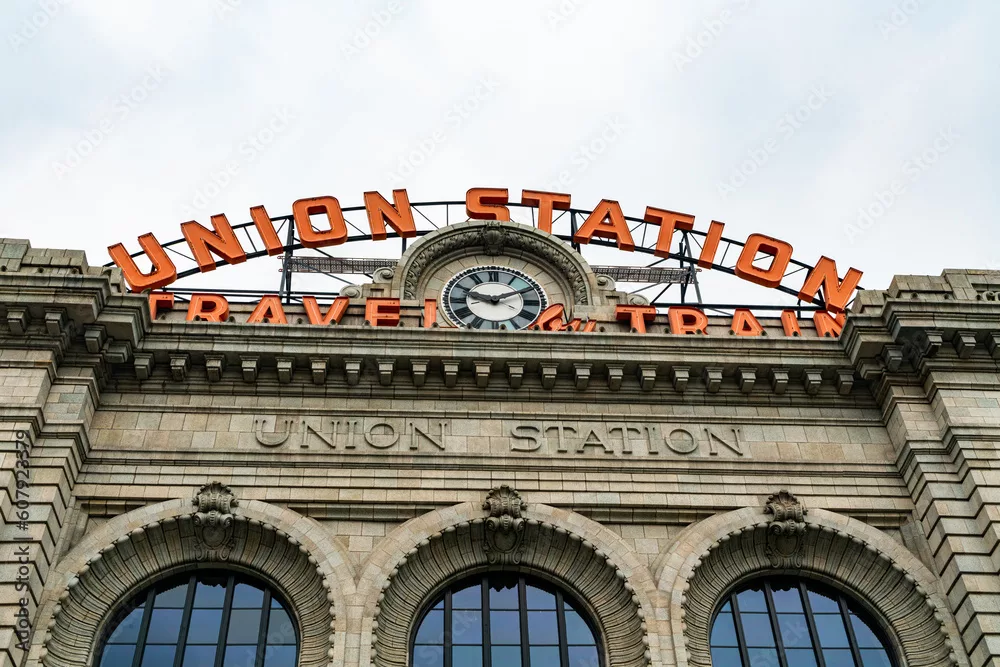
(350,433)
(556,438)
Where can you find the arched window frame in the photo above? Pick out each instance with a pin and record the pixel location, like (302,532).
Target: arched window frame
(847,604)
(563,597)
(146,594)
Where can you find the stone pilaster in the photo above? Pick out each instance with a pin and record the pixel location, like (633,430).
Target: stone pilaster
(941,404)
(50,384)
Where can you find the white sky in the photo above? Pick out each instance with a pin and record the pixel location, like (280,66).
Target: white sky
(117,114)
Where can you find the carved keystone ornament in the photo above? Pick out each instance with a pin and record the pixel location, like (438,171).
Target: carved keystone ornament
(504,526)
(786,530)
(213,522)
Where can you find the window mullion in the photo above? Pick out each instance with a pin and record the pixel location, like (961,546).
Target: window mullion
(140,645)
(772,613)
(740,637)
(484,588)
(224,626)
(447,629)
(522,603)
(265,620)
(811,622)
(845,615)
(185,622)
(561,624)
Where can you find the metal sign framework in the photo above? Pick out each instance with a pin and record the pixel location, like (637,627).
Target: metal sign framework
(657,276)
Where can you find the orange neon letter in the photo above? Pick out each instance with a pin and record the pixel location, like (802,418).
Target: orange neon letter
(836,293)
(781,255)
(745,324)
(687,320)
(487,204)
(790,323)
(268,310)
(828,325)
(606,221)
(333,313)
(636,315)
(163,272)
(399,217)
(303,208)
(222,241)
(430,312)
(546,203)
(265,229)
(160,301)
(381,312)
(668,221)
(208,308)
(550,319)
(711,245)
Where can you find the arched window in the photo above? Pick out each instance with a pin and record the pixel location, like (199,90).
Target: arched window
(795,623)
(502,620)
(203,619)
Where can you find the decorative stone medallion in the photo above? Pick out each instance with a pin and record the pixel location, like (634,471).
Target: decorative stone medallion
(213,522)
(504,543)
(787,526)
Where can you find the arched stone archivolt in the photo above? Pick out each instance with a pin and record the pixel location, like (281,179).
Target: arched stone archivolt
(712,557)
(428,553)
(492,238)
(290,552)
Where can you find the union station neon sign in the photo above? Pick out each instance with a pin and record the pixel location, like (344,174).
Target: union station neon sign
(605,224)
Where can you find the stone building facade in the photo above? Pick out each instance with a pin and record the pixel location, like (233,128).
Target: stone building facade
(358,471)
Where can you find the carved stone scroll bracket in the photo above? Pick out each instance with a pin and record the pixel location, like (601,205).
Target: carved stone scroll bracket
(213,522)
(504,540)
(616,374)
(785,530)
(515,374)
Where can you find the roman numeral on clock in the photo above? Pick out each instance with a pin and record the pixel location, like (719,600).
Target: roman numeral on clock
(463,312)
(493,276)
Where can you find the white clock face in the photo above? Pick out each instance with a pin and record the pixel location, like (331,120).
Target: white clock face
(488,297)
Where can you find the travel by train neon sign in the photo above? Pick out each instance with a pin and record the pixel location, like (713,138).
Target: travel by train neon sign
(762,260)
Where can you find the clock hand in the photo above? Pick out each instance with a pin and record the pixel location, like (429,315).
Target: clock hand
(479,297)
(520,291)
(491,300)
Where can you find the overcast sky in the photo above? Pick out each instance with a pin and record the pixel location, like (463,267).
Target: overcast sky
(865,130)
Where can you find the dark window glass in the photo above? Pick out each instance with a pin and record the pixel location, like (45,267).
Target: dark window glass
(202,619)
(783,622)
(119,654)
(525,623)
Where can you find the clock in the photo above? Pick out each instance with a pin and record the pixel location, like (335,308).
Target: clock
(488,297)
